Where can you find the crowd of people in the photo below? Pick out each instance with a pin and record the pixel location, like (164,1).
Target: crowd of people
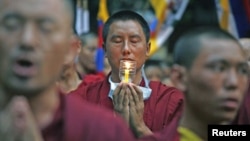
(50,89)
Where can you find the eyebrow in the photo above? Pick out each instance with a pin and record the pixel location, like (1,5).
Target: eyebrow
(12,15)
(135,36)
(223,61)
(115,36)
(20,17)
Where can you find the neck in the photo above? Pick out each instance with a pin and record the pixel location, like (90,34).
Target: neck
(4,98)
(44,106)
(194,123)
(69,80)
(82,70)
(137,79)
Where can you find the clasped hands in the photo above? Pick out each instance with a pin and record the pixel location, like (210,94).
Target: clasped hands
(17,122)
(128,103)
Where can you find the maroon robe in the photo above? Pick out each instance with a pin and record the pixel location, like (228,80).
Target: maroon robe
(77,120)
(164,104)
(243,116)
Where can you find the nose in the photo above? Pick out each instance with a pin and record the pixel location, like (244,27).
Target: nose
(232,79)
(126,49)
(28,39)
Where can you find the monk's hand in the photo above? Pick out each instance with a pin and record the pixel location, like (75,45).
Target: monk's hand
(17,122)
(121,101)
(136,110)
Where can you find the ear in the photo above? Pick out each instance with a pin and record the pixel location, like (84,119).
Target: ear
(178,77)
(148,49)
(74,50)
(77,45)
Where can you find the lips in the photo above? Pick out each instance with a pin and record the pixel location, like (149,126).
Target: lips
(127,59)
(230,104)
(24,67)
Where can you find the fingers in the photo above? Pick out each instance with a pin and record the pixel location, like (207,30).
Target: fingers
(20,112)
(15,123)
(25,126)
(120,99)
(126,97)
(121,96)
(20,124)
(116,94)
(136,93)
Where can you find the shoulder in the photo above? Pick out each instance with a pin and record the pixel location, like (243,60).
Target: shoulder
(170,97)
(163,90)
(86,86)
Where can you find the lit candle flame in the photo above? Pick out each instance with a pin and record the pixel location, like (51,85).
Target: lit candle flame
(127,65)
(126,75)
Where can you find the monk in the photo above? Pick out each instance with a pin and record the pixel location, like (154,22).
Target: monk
(35,38)
(147,106)
(213,81)
(69,79)
(86,61)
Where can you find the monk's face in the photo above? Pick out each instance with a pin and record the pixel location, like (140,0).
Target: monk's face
(126,41)
(217,81)
(88,54)
(154,73)
(34,41)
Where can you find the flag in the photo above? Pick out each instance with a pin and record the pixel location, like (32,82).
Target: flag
(234,16)
(159,7)
(240,13)
(82,17)
(102,16)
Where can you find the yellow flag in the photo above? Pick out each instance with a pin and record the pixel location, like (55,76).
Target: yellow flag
(225,14)
(103,11)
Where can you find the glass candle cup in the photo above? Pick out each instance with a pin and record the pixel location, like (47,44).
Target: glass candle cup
(127,70)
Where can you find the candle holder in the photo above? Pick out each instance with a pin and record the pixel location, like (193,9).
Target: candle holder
(127,70)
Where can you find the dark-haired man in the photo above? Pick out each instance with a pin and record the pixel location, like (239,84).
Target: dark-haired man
(35,41)
(213,81)
(146,105)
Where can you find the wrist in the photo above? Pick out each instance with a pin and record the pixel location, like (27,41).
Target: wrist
(142,130)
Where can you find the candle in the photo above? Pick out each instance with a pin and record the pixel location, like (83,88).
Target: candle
(127,70)
(126,76)
(126,73)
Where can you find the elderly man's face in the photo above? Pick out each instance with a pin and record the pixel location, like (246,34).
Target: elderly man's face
(217,81)
(34,40)
(126,41)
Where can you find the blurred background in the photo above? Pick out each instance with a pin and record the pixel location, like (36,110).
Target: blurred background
(167,19)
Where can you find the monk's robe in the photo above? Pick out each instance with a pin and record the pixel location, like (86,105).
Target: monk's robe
(93,77)
(164,104)
(77,120)
(243,116)
(173,132)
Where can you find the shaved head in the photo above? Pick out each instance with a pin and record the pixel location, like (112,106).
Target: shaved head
(190,43)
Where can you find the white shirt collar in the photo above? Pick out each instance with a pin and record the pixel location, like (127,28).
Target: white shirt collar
(146,90)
